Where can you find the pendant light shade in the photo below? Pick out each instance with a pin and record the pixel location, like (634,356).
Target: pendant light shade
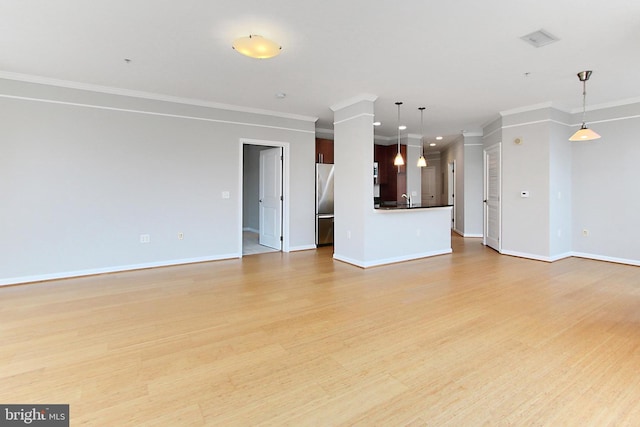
(422,161)
(584,133)
(398,161)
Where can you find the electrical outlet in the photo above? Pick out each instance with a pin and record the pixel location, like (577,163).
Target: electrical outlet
(585,232)
(225,195)
(145,238)
(180,235)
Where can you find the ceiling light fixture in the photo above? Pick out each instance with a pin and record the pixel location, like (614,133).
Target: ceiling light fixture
(377,123)
(439,138)
(398,161)
(256,46)
(433,144)
(584,133)
(422,162)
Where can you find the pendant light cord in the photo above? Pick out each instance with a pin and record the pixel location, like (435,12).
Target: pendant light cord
(584,101)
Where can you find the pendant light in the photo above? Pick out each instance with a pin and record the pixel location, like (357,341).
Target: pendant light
(422,161)
(584,133)
(398,161)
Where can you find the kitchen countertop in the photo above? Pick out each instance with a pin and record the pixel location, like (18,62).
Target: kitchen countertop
(405,206)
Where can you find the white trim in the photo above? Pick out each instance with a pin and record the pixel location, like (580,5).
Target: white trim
(595,257)
(528,108)
(515,125)
(148,95)
(251,229)
(473,235)
(610,120)
(392,260)
(472,133)
(492,132)
(351,101)
(302,248)
(152,113)
(535,122)
(561,256)
(458,232)
(353,117)
(114,269)
(286,153)
(606,105)
(526,255)
(473,145)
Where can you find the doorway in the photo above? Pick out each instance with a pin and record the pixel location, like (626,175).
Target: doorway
(264,202)
(492,189)
(428,195)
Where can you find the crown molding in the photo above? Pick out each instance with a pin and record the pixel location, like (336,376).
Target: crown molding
(348,102)
(148,95)
(605,105)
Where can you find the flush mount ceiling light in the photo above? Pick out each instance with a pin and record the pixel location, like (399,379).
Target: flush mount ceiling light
(377,123)
(256,46)
(422,162)
(584,133)
(398,161)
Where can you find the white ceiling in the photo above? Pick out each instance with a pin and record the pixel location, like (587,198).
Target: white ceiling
(463,59)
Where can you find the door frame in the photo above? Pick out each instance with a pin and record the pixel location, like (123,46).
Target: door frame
(451,191)
(286,167)
(485,222)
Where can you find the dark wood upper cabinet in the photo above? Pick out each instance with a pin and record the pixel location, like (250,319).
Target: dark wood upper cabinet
(324,150)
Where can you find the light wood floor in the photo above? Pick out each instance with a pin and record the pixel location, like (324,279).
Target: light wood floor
(472,338)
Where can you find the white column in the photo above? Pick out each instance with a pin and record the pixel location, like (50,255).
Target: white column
(353,173)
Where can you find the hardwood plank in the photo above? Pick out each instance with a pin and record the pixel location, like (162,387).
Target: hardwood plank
(471,338)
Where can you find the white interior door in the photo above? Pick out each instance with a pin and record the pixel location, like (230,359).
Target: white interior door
(451,191)
(270,215)
(492,182)
(429,186)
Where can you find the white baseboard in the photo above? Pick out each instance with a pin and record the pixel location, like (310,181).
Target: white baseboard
(572,254)
(473,235)
(526,255)
(595,257)
(302,248)
(393,260)
(253,230)
(114,269)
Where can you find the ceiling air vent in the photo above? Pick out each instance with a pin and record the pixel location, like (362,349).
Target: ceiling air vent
(539,38)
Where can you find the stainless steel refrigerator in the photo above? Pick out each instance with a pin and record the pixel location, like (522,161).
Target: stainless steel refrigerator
(324,204)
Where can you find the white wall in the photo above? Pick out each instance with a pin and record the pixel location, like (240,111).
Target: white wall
(473,186)
(525,167)
(606,194)
(251,186)
(83,174)
(456,152)
(561,189)
(573,186)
